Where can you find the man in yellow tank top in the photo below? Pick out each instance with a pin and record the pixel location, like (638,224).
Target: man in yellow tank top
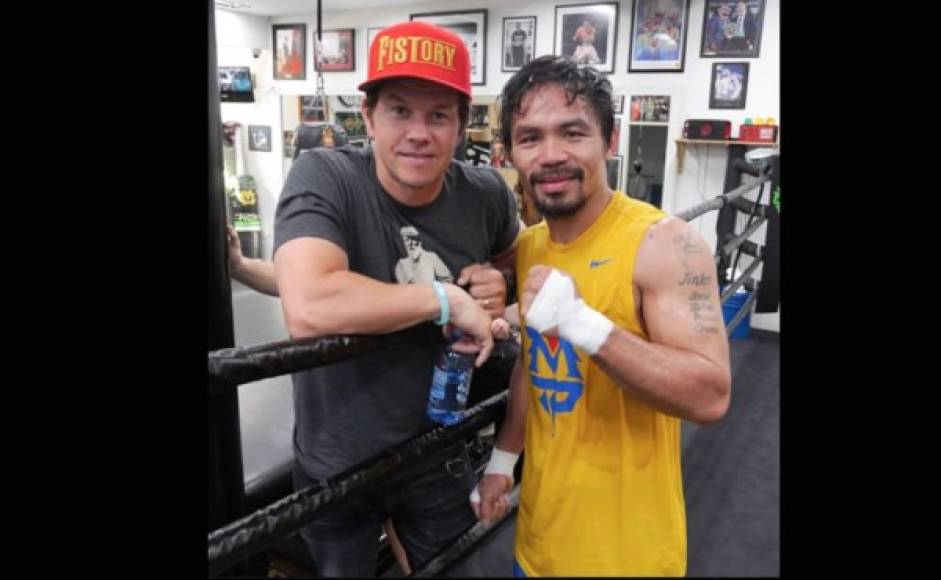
(623,338)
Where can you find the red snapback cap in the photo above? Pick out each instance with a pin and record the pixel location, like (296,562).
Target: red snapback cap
(419,50)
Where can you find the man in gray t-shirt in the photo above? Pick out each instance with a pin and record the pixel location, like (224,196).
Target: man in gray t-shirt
(346,219)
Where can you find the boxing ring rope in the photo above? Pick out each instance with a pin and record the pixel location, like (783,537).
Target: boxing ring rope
(252,363)
(739,242)
(462,545)
(720,201)
(742,312)
(743,279)
(251,534)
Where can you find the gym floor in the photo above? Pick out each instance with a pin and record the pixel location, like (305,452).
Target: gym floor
(731,473)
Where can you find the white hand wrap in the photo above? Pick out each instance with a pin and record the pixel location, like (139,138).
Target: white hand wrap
(556,305)
(543,314)
(501,462)
(584,327)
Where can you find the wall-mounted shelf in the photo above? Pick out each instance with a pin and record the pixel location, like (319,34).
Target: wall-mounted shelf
(681,147)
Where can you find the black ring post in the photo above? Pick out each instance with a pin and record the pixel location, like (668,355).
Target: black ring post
(226,480)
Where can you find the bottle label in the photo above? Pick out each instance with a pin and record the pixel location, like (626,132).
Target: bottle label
(448,397)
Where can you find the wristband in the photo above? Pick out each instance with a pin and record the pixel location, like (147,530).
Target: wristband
(443,303)
(501,462)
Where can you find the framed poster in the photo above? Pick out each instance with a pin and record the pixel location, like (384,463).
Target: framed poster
(729,85)
(471,26)
(658,36)
(732,29)
(586,32)
(519,42)
(353,123)
(290,52)
(259,138)
(650,108)
(339,51)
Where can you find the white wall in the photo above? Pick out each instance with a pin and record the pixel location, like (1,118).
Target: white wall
(704,166)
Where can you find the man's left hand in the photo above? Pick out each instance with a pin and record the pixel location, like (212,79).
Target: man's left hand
(488,287)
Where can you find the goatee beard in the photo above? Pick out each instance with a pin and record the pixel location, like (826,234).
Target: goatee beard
(550,210)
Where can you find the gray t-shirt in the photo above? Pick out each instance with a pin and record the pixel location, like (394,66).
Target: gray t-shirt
(349,411)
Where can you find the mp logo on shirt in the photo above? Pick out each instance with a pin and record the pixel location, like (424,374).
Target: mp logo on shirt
(563,386)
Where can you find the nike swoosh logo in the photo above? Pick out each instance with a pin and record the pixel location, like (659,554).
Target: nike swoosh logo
(596,263)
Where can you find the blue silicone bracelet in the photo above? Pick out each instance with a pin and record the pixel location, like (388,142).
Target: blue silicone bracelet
(443,302)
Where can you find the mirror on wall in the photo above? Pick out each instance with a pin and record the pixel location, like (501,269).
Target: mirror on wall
(648,124)
(329,120)
(482,146)
(647,151)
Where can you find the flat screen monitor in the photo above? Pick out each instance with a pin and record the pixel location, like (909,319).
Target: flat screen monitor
(235,84)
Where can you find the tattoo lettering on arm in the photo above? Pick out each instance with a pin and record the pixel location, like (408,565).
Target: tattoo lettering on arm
(704,313)
(686,246)
(691,279)
(699,303)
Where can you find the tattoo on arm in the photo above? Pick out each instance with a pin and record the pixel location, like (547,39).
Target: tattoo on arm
(704,312)
(699,303)
(686,246)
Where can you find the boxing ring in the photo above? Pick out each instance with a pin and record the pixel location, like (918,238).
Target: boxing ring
(245,536)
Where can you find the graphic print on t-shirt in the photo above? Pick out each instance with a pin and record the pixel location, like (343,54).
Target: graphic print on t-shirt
(561,385)
(420,265)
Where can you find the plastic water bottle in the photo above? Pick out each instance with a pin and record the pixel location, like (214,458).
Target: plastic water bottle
(450,384)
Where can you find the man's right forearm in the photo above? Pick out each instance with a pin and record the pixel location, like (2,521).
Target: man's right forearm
(257,275)
(321,296)
(512,435)
(345,302)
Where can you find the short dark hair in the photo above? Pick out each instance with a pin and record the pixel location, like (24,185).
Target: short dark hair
(585,82)
(463,104)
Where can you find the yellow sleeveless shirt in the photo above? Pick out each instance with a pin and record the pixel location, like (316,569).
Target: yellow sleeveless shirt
(602,490)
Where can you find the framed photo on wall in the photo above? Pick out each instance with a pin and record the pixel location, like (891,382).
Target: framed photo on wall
(290,52)
(471,26)
(586,32)
(729,85)
(732,28)
(650,108)
(259,138)
(658,36)
(339,51)
(519,42)
(354,124)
